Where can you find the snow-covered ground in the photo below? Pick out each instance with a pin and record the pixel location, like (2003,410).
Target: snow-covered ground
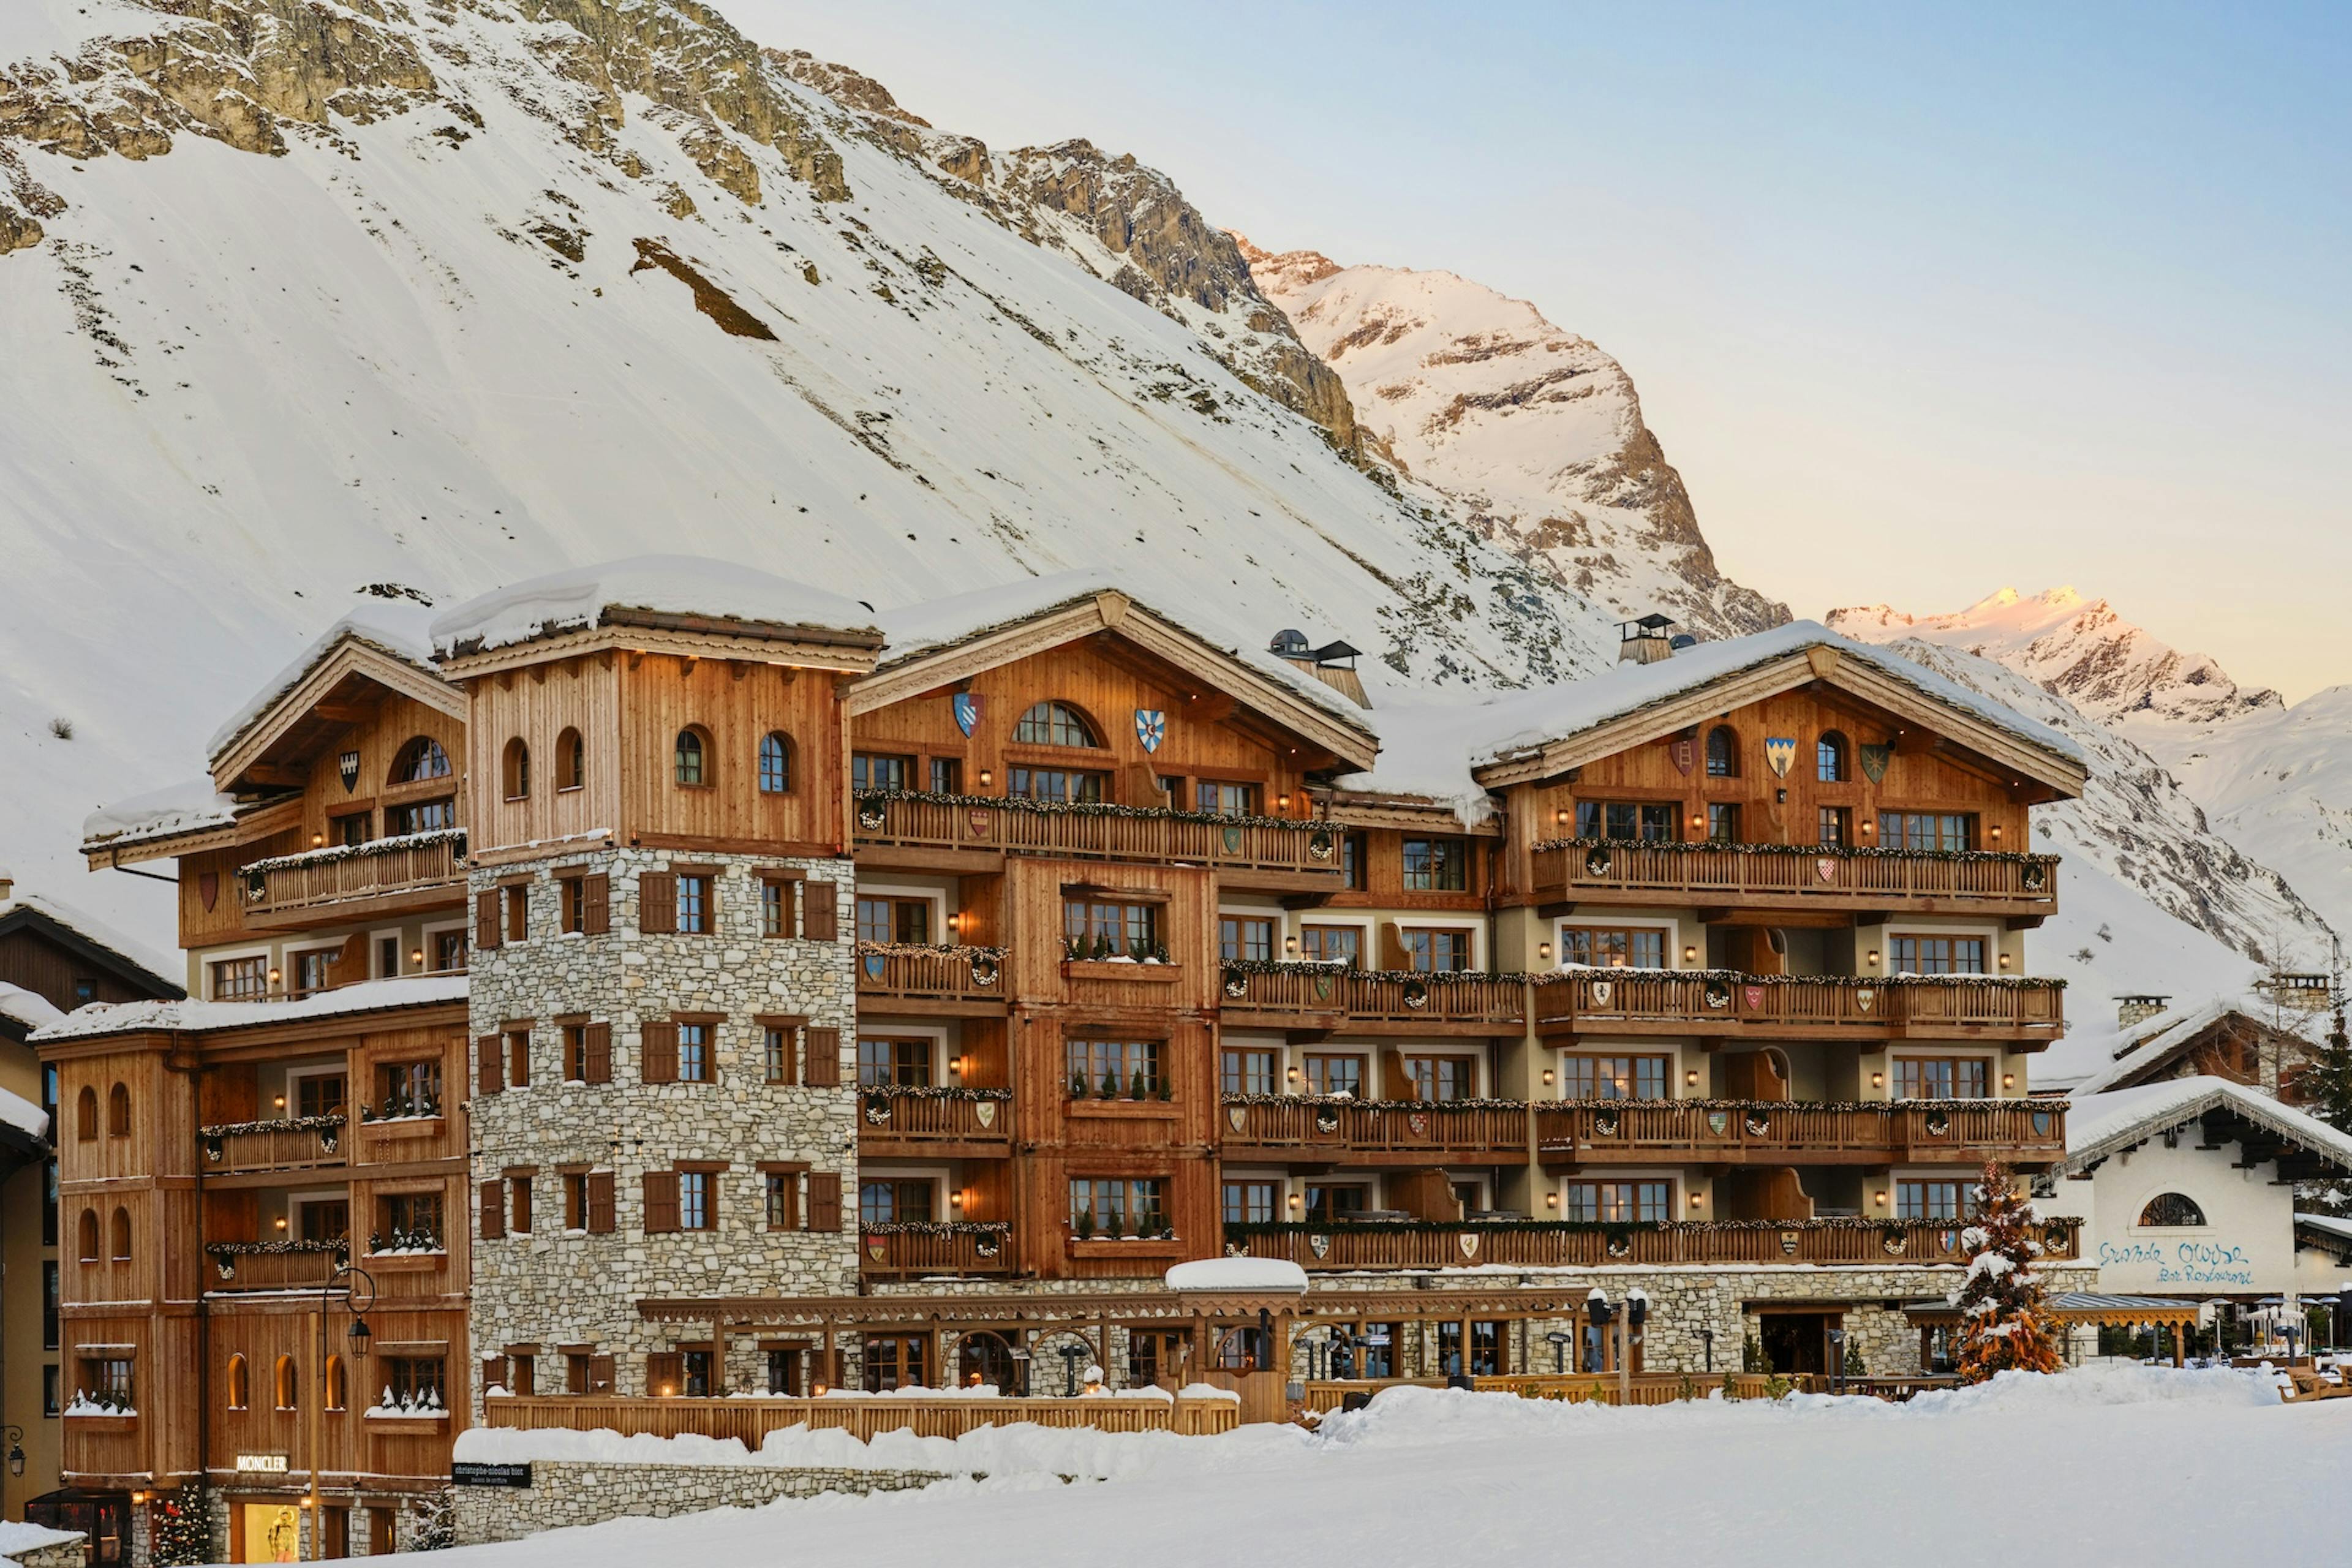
(2112,1465)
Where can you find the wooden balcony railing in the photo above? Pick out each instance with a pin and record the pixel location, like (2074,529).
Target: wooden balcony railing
(749,1421)
(1099,832)
(1323,1127)
(892,1114)
(1716,1002)
(232,1267)
(1791,1131)
(956,1246)
(305,1143)
(1385,996)
(1531,1244)
(1571,869)
(417,863)
(915,972)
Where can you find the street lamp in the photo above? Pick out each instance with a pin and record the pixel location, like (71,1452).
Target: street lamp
(1707,1341)
(1071,1355)
(1837,1361)
(16,1435)
(357,1287)
(1560,1338)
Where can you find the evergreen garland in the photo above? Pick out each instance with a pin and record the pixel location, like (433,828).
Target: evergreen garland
(1810,851)
(938,1227)
(283,1124)
(870,802)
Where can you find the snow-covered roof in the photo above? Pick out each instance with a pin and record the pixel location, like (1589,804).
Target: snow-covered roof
(1431,750)
(99,934)
(1250,1274)
(580,597)
(2096,1059)
(2099,1125)
(29,1009)
(2327,1225)
(18,1113)
(396,626)
(195,1017)
(165,813)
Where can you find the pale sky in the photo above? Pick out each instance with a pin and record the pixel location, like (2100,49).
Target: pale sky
(1921,301)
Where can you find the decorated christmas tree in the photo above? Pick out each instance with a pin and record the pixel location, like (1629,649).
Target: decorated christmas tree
(181,1532)
(2004,1323)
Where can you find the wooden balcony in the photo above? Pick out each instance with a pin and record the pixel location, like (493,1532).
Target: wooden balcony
(1712,1001)
(971,832)
(1789,1132)
(231,1270)
(951,1124)
(749,1421)
(915,1250)
(949,981)
(1794,877)
(1535,1245)
(1310,1000)
(420,870)
(308,1144)
(1374,1132)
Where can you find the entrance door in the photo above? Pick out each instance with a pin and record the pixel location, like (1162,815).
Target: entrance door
(379,1524)
(984,1358)
(1155,1357)
(1797,1341)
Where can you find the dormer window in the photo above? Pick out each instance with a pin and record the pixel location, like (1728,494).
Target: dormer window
(1055,724)
(420,760)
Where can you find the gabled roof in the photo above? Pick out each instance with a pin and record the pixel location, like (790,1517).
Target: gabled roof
(2101,1125)
(2139,1052)
(194,1016)
(93,943)
(942,640)
(393,629)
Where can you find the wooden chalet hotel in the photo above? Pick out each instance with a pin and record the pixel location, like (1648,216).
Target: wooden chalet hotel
(664,981)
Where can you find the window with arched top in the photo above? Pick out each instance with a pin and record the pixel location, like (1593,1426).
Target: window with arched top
(776,763)
(88,1236)
(1055,724)
(514,770)
(121,1236)
(571,760)
(692,762)
(288,1390)
(2172,1209)
(117,1112)
(85,1114)
(1830,765)
(1723,752)
(238,1383)
(335,1383)
(420,760)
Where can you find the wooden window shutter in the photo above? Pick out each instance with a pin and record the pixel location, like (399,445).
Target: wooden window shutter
(600,1204)
(600,1374)
(820,916)
(598,1067)
(1393,954)
(351,963)
(519,1058)
(491,1077)
(494,1210)
(657,902)
(657,1052)
(597,904)
(489,923)
(661,1202)
(825,1200)
(824,1059)
(518,913)
(494,1372)
(665,1373)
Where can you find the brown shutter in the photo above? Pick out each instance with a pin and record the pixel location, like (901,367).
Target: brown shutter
(494,1370)
(600,1374)
(820,916)
(519,1067)
(657,1052)
(825,1200)
(351,963)
(492,1077)
(824,1059)
(657,902)
(600,1207)
(598,1069)
(494,1210)
(597,904)
(488,925)
(664,1370)
(518,913)
(661,1202)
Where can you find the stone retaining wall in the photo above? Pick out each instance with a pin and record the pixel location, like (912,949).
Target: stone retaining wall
(568,1492)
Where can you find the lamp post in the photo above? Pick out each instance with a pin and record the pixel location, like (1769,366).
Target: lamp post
(15,1437)
(1707,1342)
(357,1287)
(1071,1355)
(1560,1338)
(1837,1361)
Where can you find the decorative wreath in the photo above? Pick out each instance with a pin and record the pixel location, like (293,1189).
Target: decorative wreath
(1938,1124)
(1416,993)
(2034,877)
(1759,1125)
(871,819)
(1596,863)
(1618,1245)
(1718,995)
(1894,1240)
(1319,847)
(984,971)
(1326,1120)
(1235,986)
(877,1109)
(1605,1124)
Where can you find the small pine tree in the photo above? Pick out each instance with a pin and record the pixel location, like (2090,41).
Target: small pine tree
(433,1524)
(1855,1365)
(1751,1356)
(182,1530)
(2324,1086)
(2004,1323)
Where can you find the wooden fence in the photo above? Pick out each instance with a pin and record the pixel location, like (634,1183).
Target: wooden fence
(1389,1245)
(891,970)
(1787,1128)
(1378,1127)
(1383,997)
(1795,874)
(1238,843)
(271,1148)
(749,1421)
(1719,1003)
(366,873)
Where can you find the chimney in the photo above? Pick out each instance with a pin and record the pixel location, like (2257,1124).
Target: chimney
(1333,664)
(2134,1009)
(1647,640)
(7,886)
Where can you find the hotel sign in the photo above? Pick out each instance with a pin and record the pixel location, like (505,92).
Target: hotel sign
(261,1464)
(465,1474)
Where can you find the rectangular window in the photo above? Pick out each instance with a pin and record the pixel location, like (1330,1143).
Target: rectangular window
(416,1380)
(519,1058)
(1356,860)
(325,1220)
(1442,1077)
(408,1089)
(51,1402)
(1647,822)
(1434,950)
(783,1194)
(1613,947)
(1942,1078)
(947,775)
(349,830)
(1614,1077)
(1172,786)
(517,899)
(1244,1071)
(1335,1074)
(869,770)
(1932,1200)
(575,1200)
(783,1370)
(894,920)
(1935,954)
(313,970)
(694,907)
(107,1380)
(895,1360)
(49,1198)
(1116,1205)
(1222,798)
(1066,785)
(572,907)
(1332,945)
(1436,865)
(1113,1069)
(1835,824)
(518,1196)
(319,1094)
(897,1201)
(1927,830)
(407,1221)
(775,907)
(1617,1202)
(1247,937)
(1723,822)
(241,979)
(694,1064)
(1249,1203)
(1102,928)
(883,1063)
(1336,1203)
(448,952)
(49,1304)
(776,1052)
(420,816)
(696,1201)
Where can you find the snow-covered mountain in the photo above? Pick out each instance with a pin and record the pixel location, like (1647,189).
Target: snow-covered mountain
(1535,433)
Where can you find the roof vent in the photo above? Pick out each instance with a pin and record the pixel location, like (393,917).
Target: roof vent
(1646,640)
(1290,643)
(2138,1007)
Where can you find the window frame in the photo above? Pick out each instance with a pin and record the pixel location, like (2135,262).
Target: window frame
(693,758)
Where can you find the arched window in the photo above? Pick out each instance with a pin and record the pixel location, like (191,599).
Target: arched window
(117,1112)
(1722,752)
(289,1384)
(88,1236)
(571,760)
(335,1383)
(1828,758)
(776,763)
(121,1235)
(2172,1209)
(693,765)
(1055,724)
(420,760)
(514,770)
(240,1382)
(85,1114)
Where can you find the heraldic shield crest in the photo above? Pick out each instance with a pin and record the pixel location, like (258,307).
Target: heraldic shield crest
(1780,752)
(966,706)
(1152,727)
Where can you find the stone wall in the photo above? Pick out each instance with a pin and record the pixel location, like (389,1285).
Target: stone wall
(556,1287)
(570,1492)
(56,1555)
